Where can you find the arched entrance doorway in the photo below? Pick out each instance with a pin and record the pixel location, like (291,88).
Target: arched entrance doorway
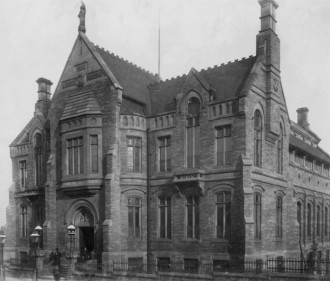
(83,220)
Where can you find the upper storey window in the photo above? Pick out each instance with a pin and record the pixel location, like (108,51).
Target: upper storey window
(23,173)
(165,154)
(134,147)
(224,146)
(94,153)
(75,156)
(280,152)
(257,138)
(38,158)
(192,125)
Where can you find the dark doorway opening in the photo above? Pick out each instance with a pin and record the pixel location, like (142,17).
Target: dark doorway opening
(86,242)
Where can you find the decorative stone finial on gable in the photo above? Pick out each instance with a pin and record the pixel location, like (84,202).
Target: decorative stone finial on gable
(81,17)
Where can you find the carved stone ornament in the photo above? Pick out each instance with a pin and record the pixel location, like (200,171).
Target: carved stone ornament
(80,80)
(275,85)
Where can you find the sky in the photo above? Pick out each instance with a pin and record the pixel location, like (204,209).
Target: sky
(38,35)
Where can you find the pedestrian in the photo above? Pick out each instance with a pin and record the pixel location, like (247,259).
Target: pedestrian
(57,263)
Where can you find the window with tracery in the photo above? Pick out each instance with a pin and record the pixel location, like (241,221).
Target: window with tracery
(223,208)
(165,217)
(134,217)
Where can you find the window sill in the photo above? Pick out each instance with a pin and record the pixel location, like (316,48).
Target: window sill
(161,175)
(190,240)
(164,240)
(219,240)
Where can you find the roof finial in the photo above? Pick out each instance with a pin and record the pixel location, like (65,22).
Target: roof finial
(81,17)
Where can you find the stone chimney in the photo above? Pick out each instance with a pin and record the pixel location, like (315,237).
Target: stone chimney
(302,117)
(43,102)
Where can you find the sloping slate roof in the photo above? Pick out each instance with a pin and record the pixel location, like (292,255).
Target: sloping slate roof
(133,79)
(226,80)
(80,104)
(316,152)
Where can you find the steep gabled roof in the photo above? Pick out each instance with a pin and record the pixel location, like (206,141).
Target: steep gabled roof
(226,80)
(23,135)
(132,78)
(80,104)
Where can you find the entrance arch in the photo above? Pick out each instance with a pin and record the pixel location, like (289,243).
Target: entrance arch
(83,216)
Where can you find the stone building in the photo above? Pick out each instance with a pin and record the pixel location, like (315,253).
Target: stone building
(197,168)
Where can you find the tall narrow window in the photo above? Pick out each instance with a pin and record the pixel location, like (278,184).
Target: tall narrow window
(22,173)
(134,148)
(257,138)
(318,220)
(257,215)
(192,212)
(134,217)
(309,220)
(94,154)
(165,217)
(326,221)
(165,154)
(299,213)
(75,156)
(224,145)
(280,152)
(24,221)
(223,207)
(193,133)
(279,209)
(38,158)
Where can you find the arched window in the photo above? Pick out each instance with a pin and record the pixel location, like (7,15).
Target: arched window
(165,217)
(134,217)
(125,121)
(257,138)
(326,221)
(24,230)
(38,158)
(279,210)
(220,109)
(280,152)
(309,220)
(318,220)
(192,127)
(299,219)
(223,207)
(257,215)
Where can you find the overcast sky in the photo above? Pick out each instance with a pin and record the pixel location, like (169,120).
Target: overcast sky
(38,35)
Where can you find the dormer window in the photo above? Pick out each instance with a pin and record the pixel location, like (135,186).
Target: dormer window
(192,126)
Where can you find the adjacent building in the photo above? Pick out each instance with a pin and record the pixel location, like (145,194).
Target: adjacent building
(197,168)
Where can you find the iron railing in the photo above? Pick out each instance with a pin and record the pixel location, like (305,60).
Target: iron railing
(238,265)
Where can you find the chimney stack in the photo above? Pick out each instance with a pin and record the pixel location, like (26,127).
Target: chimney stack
(302,117)
(43,102)
(268,14)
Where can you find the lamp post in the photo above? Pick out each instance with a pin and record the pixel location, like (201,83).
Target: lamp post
(71,232)
(35,240)
(38,229)
(2,244)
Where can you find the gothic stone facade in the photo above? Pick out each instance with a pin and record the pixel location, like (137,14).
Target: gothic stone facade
(196,168)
